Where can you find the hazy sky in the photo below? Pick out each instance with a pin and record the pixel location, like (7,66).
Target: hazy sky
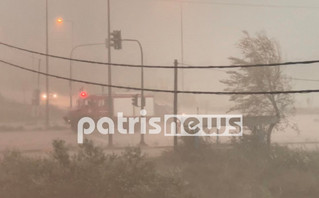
(211,31)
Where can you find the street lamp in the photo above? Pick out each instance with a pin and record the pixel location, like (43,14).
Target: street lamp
(59,20)
(70,74)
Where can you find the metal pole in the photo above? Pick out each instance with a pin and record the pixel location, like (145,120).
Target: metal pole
(175,100)
(70,82)
(110,98)
(71,67)
(142,141)
(39,69)
(47,70)
(217,137)
(37,108)
(182,42)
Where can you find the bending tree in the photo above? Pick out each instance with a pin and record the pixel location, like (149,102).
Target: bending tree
(260,50)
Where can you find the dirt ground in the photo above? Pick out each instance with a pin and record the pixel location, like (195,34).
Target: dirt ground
(38,141)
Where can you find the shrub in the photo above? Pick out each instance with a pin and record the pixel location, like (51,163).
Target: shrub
(87,173)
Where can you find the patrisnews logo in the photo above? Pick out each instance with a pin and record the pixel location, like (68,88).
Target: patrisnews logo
(173,125)
(203,125)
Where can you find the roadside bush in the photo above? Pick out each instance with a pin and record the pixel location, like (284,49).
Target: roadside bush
(246,171)
(205,171)
(88,173)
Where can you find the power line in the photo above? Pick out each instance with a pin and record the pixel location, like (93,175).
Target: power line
(304,79)
(162,66)
(242,4)
(164,90)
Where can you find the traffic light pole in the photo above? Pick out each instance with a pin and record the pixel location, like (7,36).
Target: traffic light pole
(110,98)
(142,141)
(115,40)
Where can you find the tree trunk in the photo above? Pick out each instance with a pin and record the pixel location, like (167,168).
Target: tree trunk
(269,132)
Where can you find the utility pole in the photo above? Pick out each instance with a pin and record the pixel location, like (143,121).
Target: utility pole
(38,91)
(70,86)
(142,142)
(70,82)
(110,98)
(175,100)
(39,70)
(217,137)
(182,41)
(47,122)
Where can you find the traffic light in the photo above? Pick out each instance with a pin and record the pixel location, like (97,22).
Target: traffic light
(134,100)
(116,39)
(83,94)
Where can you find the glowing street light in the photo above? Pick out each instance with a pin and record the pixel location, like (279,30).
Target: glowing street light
(51,95)
(59,20)
(44,96)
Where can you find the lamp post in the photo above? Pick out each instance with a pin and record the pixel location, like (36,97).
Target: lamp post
(71,70)
(60,20)
(47,103)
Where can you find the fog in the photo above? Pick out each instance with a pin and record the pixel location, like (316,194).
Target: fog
(193,32)
(211,32)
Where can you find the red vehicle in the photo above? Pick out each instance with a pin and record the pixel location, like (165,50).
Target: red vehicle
(96,106)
